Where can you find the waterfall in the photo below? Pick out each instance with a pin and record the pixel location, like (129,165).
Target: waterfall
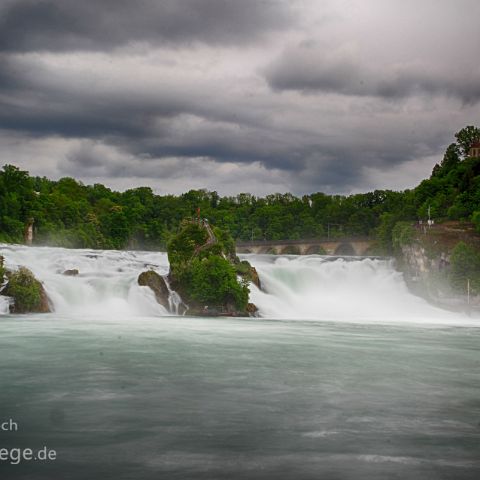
(175,303)
(317,287)
(293,287)
(106,284)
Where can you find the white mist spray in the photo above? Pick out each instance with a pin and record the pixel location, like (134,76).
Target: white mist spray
(308,287)
(105,286)
(314,287)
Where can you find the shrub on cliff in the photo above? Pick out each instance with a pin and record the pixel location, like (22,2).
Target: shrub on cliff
(27,292)
(2,270)
(476,220)
(465,265)
(402,234)
(181,248)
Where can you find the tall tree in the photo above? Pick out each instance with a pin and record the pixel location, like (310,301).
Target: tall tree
(466,137)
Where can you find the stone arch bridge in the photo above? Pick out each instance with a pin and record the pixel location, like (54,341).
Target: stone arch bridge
(339,246)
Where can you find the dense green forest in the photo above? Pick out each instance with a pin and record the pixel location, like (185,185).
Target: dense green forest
(68,213)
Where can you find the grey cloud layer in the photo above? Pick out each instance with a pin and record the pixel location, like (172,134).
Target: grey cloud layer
(69,25)
(211,95)
(315,70)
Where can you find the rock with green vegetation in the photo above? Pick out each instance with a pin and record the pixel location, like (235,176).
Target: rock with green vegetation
(27,292)
(158,285)
(248,273)
(204,269)
(2,270)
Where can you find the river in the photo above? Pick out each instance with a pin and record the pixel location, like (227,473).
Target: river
(346,376)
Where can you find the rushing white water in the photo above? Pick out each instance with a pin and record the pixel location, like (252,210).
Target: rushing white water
(4,305)
(106,284)
(294,287)
(351,289)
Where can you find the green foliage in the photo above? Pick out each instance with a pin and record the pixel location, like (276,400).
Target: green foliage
(466,137)
(243,268)
(68,213)
(450,160)
(465,265)
(402,234)
(476,220)
(2,270)
(200,271)
(214,283)
(384,233)
(182,247)
(26,291)
(226,242)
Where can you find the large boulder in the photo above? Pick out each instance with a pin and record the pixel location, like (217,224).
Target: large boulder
(73,272)
(27,292)
(158,284)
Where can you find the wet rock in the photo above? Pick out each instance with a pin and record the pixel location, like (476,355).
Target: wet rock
(71,273)
(182,309)
(252,310)
(157,283)
(255,279)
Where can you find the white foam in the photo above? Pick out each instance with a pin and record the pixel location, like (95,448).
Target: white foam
(360,290)
(295,287)
(106,284)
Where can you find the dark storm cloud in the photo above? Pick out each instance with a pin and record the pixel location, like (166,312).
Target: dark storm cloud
(158,123)
(175,89)
(309,70)
(68,25)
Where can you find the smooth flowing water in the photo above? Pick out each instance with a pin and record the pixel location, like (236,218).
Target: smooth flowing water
(346,376)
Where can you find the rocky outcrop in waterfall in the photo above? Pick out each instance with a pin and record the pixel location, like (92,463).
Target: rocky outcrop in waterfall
(25,291)
(164,295)
(158,285)
(206,272)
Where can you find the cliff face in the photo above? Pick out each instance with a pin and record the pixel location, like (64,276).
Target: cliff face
(426,276)
(426,264)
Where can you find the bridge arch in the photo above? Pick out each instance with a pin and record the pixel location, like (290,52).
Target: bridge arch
(289,250)
(345,249)
(315,250)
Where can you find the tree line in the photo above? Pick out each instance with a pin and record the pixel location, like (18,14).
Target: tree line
(70,214)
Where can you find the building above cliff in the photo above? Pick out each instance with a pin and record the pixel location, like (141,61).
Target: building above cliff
(475,149)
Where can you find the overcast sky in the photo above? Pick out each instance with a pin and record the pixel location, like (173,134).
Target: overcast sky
(237,96)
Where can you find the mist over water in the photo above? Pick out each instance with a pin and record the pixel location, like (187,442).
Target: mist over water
(342,289)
